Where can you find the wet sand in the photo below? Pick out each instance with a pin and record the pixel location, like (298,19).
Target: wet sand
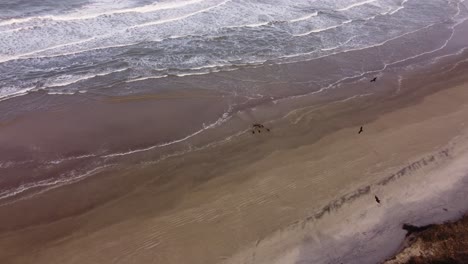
(302,192)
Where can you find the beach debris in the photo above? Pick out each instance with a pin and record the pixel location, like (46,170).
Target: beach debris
(256,127)
(374,80)
(361,130)
(377,199)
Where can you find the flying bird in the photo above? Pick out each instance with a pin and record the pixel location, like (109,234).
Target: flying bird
(373,80)
(361,130)
(377,199)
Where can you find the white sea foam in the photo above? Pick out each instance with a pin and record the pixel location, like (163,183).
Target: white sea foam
(145,78)
(159,22)
(356,5)
(15,57)
(399,8)
(199,23)
(64,80)
(366,72)
(191,73)
(360,48)
(225,117)
(6,93)
(49,184)
(212,15)
(82,15)
(339,46)
(95,38)
(323,29)
(51,83)
(260,24)
(58,161)
(307,17)
(39,56)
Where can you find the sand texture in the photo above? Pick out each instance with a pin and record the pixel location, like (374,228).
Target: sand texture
(302,192)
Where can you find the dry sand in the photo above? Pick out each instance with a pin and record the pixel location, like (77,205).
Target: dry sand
(302,193)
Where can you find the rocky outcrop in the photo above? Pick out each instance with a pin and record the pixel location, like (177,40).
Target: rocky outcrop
(443,243)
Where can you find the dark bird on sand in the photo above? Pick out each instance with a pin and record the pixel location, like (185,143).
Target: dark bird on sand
(253,132)
(361,130)
(373,80)
(377,199)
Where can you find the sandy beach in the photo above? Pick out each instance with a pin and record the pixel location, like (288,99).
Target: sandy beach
(301,193)
(193,133)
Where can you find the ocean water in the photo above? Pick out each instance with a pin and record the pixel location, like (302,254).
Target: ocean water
(65,47)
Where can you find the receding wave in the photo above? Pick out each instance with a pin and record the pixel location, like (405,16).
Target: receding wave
(356,5)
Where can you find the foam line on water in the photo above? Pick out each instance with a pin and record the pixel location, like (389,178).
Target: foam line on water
(367,72)
(402,5)
(323,29)
(147,24)
(47,184)
(55,162)
(355,5)
(221,120)
(145,78)
(339,46)
(260,24)
(254,25)
(9,58)
(21,56)
(307,17)
(76,16)
(159,22)
(64,80)
(9,164)
(360,48)
(20,92)
(71,79)
(389,12)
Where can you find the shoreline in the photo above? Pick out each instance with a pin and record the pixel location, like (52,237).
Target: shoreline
(154,207)
(237,122)
(168,136)
(268,197)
